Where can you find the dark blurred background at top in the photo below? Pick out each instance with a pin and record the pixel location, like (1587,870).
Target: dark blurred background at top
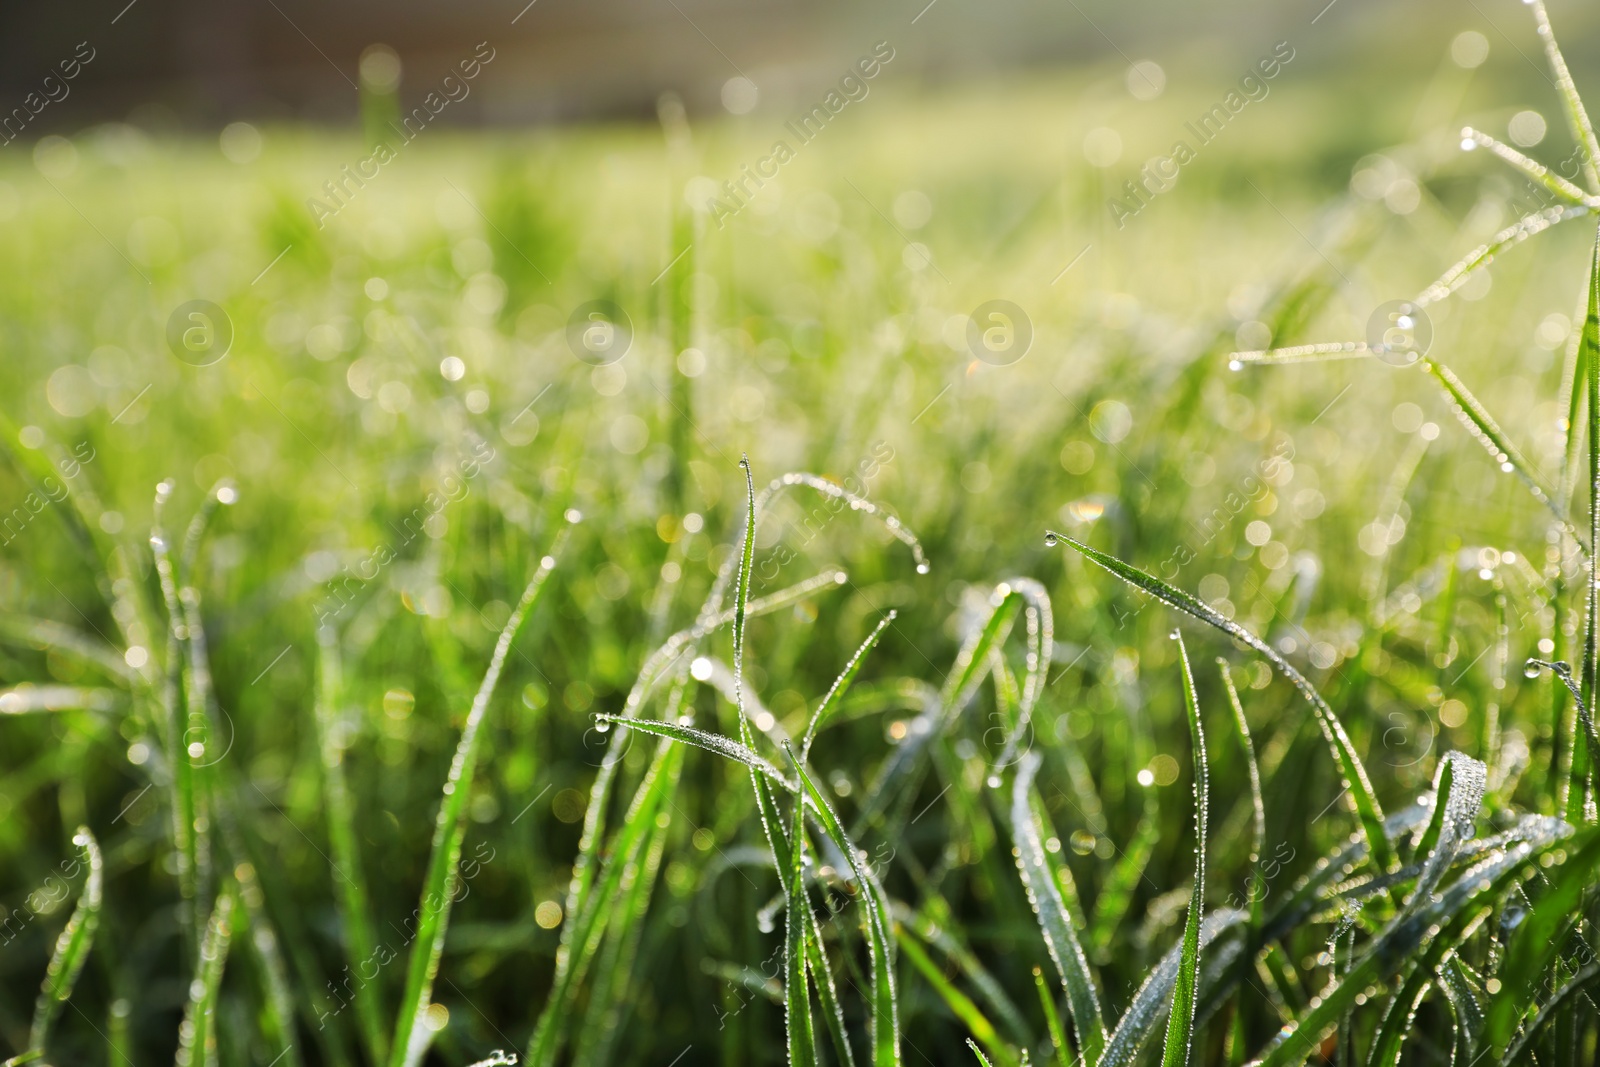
(196,64)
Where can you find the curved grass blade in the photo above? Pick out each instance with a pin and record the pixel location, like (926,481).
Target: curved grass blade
(411,1035)
(716,744)
(198,1036)
(1258,809)
(1527,961)
(1458,788)
(1054,922)
(672,654)
(355,909)
(1350,767)
(72,947)
(1585,977)
(1180,1021)
(976,1051)
(827,992)
(1443,922)
(841,686)
(936,934)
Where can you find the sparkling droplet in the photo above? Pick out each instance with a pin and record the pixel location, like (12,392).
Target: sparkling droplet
(1531,669)
(1234,364)
(994,781)
(602,727)
(922,568)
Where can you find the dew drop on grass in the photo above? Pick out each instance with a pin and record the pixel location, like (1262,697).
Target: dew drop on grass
(1530,669)
(994,781)
(1235,365)
(922,568)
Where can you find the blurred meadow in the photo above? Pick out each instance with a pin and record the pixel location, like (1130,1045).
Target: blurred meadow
(254,715)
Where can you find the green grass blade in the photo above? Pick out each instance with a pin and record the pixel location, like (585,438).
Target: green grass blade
(1459,784)
(1154,998)
(841,686)
(355,908)
(582,932)
(1513,235)
(72,946)
(1577,118)
(972,663)
(1590,349)
(1180,1022)
(797,1019)
(411,1035)
(827,992)
(1344,753)
(1054,921)
(1526,965)
(1494,441)
(959,1003)
(1559,1000)
(1116,897)
(1443,922)
(1052,1019)
(885,1010)
(1531,169)
(702,739)
(976,1051)
(197,1045)
(1258,809)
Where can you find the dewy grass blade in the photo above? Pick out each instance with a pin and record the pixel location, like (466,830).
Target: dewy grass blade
(885,1017)
(1476,418)
(1483,255)
(72,947)
(1558,1001)
(1155,996)
(796,932)
(1344,753)
(1258,810)
(1526,965)
(1533,170)
(411,1034)
(717,744)
(1590,358)
(355,909)
(1577,117)
(198,1036)
(1059,936)
(1180,1023)
(841,686)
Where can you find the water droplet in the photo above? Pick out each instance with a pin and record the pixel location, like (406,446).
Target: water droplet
(922,568)
(994,781)
(1051,540)
(1531,669)
(1234,364)
(602,727)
